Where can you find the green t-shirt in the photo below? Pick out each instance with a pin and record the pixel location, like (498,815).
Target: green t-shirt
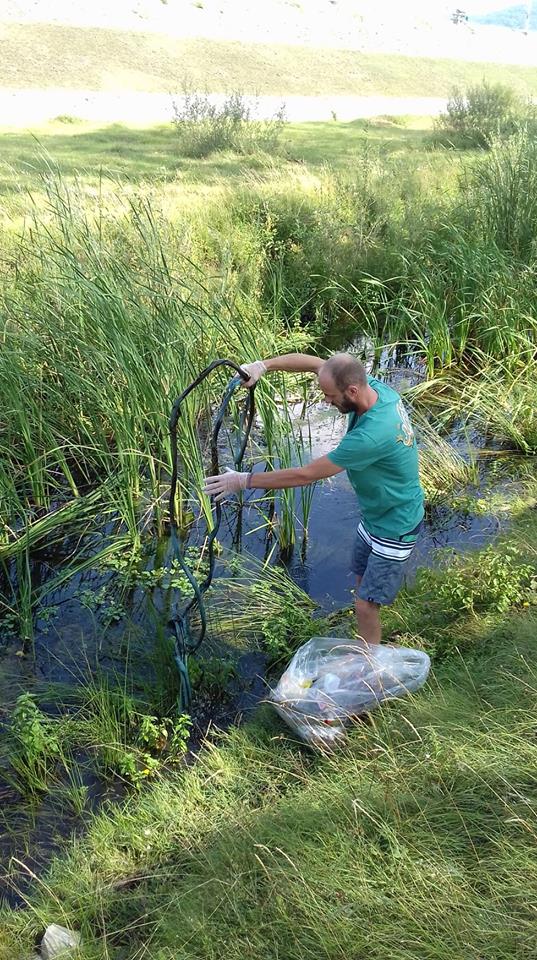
(380,455)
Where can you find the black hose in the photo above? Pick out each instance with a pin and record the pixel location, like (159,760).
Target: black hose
(184,643)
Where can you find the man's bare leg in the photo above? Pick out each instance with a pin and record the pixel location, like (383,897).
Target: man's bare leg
(368,618)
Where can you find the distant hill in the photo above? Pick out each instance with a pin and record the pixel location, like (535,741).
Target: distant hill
(512,17)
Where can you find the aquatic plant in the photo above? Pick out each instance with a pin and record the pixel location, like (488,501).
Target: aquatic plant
(502,194)
(34,744)
(123,737)
(497,401)
(443,467)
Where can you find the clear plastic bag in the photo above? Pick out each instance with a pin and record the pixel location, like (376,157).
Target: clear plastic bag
(330,680)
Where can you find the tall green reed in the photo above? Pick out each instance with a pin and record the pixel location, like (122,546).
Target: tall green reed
(502,194)
(105,322)
(100,336)
(459,300)
(499,401)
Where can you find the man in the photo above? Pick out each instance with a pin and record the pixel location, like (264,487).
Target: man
(380,456)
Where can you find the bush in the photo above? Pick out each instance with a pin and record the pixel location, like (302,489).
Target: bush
(446,608)
(205,127)
(484,111)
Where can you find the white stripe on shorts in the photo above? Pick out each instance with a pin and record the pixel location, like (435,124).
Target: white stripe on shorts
(387,549)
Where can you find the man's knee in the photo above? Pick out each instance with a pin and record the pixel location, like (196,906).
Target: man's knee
(366,608)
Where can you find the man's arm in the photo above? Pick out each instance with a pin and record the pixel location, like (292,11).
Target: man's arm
(295,476)
(232,481)
(294,363)
(288,363)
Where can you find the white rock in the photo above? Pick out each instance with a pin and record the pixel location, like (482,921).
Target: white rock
(57,941)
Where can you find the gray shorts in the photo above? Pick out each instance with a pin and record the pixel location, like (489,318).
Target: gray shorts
(381,564)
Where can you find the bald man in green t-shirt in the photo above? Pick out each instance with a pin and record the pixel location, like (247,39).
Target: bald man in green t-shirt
(380,456)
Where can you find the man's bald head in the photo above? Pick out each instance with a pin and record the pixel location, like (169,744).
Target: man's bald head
(345,370)
(344,383)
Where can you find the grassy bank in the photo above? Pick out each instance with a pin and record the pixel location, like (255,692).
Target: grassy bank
(418,840)
(48,55)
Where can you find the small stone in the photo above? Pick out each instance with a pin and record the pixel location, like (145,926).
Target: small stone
(58,941)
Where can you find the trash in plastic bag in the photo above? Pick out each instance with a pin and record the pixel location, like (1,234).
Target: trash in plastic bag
(330,680)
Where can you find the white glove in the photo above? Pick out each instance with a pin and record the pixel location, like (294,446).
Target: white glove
(256,371)
(225,483)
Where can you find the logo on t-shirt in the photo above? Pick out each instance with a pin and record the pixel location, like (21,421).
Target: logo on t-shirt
(407,434)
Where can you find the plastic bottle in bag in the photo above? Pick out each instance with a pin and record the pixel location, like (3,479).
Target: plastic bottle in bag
(330,680)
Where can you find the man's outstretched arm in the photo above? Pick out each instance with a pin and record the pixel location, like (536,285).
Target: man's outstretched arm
(318,469)
(287,363)
(232,481)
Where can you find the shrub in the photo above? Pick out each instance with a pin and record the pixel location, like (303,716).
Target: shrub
(451,601)
(205,127)
(483,111)
(500,581)
(321,237)
(66,118)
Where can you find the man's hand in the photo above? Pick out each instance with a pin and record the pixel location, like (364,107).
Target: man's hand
(225,483)
(256,371)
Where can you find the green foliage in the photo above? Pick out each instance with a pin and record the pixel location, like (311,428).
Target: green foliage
(93,319)
(502,195)
(461,300)
(34,743)
(443,610)
(123,737)
(499,580)
(378,248)
(151,743)
(287,630)
(66,118)
(169,735)
(263,602)
(104,603)
(100,386)
(261,844)
(442,467)
(204,127)
(321,240)
(481,112)
(211,676)
(171,576)
(499,401)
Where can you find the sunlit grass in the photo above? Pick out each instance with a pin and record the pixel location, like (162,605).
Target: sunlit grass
(261,843)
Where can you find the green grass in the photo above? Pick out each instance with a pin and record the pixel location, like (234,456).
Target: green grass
(417,840)
(139,154)
(46,55)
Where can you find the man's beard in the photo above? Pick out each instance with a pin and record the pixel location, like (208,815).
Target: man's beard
(346,406)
